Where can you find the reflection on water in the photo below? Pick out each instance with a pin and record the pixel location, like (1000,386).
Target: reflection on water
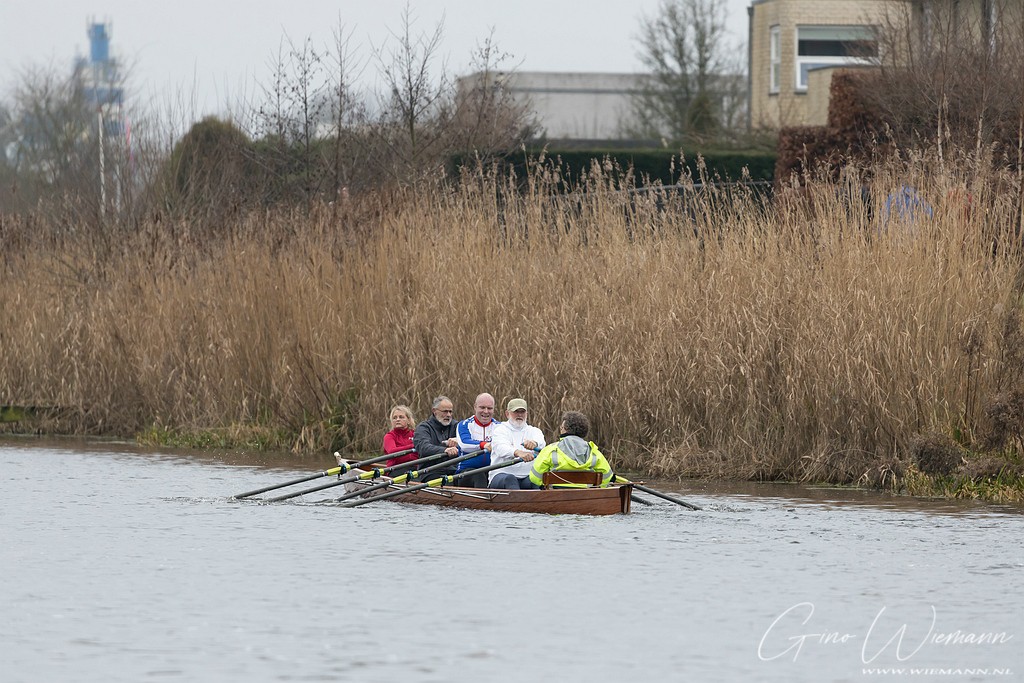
(121,563)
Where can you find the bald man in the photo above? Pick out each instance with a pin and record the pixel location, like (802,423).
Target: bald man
(475,433)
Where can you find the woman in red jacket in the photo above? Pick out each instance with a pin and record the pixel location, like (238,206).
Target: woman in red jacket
(400,436)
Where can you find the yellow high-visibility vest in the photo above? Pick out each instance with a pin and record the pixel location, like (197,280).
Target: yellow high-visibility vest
(553,459)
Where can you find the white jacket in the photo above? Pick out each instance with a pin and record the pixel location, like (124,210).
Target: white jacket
(506,439)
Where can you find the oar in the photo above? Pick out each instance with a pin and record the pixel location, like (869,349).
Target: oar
(433,483)
(370,474)
(659,494)
(326,473)
(408,475)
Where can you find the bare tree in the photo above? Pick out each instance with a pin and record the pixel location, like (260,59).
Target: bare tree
(427,118)
(692,88)
(314,137)
(347,115)
(950,76)
(51,123)
(487,119)
(8,150)
(51,141)
(416,104)
(295,106)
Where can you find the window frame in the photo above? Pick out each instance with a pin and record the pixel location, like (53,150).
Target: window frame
(823,60)
(774,59)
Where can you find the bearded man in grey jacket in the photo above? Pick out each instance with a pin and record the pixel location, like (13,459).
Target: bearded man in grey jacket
(438,434)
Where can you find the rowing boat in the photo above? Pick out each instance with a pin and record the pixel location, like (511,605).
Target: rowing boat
(611,500)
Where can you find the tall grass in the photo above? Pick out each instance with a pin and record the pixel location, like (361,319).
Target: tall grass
(706,332)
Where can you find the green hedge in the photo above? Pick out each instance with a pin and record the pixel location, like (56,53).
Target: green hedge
(656,164)
(652,165)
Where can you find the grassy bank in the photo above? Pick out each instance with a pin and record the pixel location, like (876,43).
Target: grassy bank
(707,334)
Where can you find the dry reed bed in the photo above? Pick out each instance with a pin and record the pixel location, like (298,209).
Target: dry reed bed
(705,335)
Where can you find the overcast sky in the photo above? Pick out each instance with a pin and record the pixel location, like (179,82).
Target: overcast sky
(210,52)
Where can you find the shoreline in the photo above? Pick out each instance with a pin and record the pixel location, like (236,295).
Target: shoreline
(1004,487)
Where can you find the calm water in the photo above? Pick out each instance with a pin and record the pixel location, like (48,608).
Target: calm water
(124,565)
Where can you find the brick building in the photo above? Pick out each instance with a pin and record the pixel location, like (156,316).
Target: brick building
(792,39)
(794,45)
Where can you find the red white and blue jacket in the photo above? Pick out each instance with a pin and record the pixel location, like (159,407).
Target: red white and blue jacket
(471,435)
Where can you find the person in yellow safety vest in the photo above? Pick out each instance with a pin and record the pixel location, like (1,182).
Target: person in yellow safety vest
(572,453)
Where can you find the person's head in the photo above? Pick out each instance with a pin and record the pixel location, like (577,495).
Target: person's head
(574,424)
(401,417)
(483,409)
(442,408)
(516,412)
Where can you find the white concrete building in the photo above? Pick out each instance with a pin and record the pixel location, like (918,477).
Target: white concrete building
(592,106)
(588,106)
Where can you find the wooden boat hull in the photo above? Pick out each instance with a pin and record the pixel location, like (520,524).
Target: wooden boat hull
(612,500)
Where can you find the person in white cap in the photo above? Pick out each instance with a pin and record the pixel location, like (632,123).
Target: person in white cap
(514,438)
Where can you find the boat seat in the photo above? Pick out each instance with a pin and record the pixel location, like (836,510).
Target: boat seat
(552,479)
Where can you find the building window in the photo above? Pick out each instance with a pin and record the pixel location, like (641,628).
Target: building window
(775,59)
(819,46)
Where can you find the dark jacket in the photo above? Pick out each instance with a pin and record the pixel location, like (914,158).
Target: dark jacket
(428,439)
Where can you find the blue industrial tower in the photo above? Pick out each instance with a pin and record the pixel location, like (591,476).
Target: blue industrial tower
(99,78)
(100,74)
